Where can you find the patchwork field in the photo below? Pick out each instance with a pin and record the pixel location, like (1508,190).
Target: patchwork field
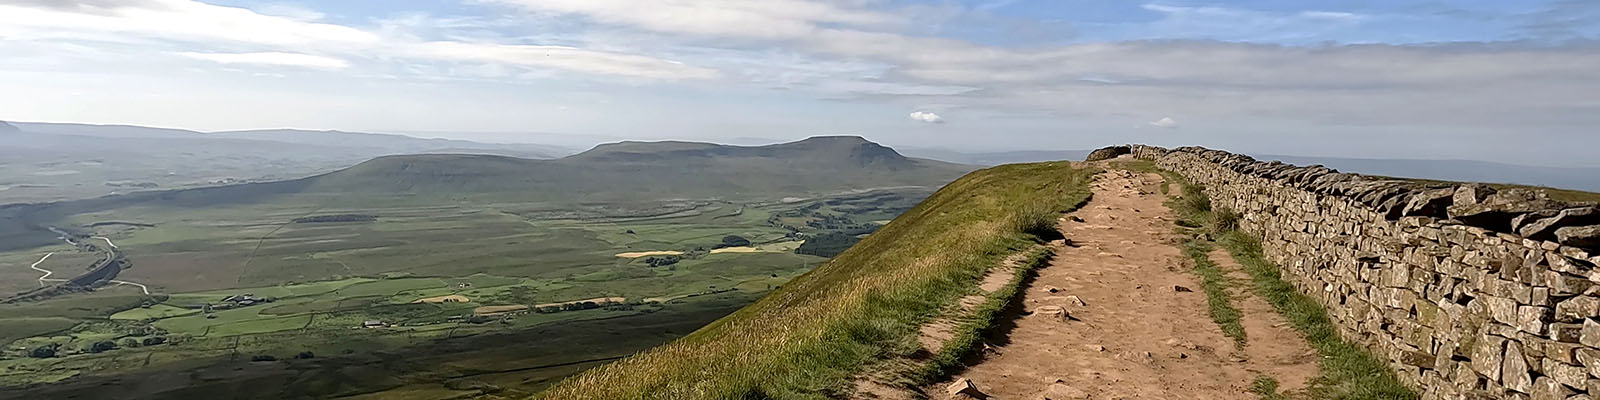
(235,284)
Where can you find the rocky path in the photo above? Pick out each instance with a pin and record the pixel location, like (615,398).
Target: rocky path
(1118,314)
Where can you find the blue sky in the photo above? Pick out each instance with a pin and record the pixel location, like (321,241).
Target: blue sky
(1492,80)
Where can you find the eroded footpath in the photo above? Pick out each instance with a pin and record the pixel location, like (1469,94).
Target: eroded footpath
(1117,314)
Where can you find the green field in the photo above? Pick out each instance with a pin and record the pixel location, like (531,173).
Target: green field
(325,280)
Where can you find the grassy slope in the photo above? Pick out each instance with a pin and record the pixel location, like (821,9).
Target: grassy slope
(805,339)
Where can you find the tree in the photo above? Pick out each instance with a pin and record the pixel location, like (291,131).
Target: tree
(305,355)
(154,340)
(103,346)
(263,357)
(46,351)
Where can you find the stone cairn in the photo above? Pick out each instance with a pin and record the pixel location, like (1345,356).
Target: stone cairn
(1469,292)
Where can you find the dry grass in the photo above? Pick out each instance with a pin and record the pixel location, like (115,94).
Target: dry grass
(806,339)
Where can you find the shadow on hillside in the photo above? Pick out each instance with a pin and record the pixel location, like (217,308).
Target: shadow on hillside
(999,333)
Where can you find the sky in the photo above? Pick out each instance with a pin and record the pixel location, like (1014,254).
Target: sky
(1509,81)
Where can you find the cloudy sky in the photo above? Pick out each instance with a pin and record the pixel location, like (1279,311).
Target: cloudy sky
(1513,81)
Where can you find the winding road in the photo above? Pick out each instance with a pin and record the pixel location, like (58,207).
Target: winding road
(146,289)
(46,277)
(46,272)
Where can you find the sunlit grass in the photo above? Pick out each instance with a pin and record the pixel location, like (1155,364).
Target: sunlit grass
(806,339)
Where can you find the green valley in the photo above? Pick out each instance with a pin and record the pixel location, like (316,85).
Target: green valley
(408,255)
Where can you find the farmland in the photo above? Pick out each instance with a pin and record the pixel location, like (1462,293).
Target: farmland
(234,283)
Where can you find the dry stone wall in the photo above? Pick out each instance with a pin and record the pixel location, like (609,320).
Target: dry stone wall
(1469,292)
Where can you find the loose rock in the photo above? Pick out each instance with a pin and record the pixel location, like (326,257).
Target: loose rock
(965,387)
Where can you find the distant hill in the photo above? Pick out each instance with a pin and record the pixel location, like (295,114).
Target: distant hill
(399,144)
(7,128)
(627,172)
(108,131)
(1587,179)
(652,170)
(998,157)
(53,161)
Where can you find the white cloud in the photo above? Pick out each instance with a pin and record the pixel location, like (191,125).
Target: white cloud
(927,117)
(294,37)
(170,19)
(562,58)
(763,19)
(1165,122)
(272,58)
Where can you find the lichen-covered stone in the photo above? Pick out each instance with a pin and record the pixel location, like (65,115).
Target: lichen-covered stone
(1579,236)
(1577,309)
(1108,153)
(1514,372)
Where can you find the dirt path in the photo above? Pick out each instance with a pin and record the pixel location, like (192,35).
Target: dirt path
(1136,324)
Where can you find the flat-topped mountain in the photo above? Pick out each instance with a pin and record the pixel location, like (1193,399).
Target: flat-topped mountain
(823,150)
(651,170)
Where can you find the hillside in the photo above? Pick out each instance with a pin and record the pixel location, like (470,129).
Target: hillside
(397,144)
(804,339)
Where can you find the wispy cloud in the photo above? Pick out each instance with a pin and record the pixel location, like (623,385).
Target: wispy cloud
(271,58)
(295,39)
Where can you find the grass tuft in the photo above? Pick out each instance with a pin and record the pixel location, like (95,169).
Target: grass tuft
(1225,220)
(1266,388)
(1215,283)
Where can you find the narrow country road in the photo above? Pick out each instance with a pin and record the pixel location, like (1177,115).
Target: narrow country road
(146,289)
(46,272)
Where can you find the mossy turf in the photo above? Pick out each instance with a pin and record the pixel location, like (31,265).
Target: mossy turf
(805,340)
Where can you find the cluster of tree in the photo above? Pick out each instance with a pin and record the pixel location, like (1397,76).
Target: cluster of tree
(827,245)
(45,351)
(733,241)
(582,305)
(661,261)
(102,346)
(777,222)
(335,218)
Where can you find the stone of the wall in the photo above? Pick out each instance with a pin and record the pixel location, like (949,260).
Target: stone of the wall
(1468,292)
